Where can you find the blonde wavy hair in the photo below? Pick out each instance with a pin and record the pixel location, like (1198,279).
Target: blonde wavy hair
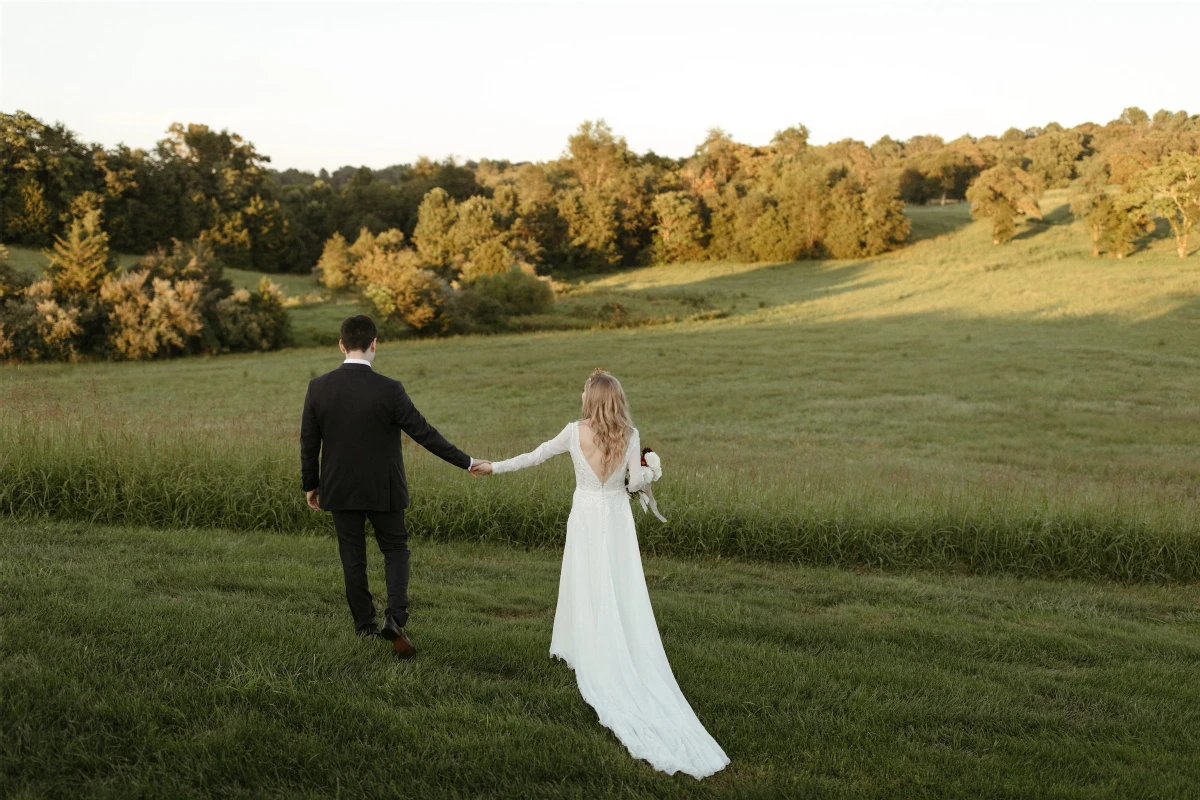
(606,411)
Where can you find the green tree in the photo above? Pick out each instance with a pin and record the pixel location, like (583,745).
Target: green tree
(803,195)
(478,240)
(42,167)
(1054,157)
(1001,194)
(864,220)
(604,199)
(1175,186)
(679,231)
(885,226)
(1126,219)
(1091,202)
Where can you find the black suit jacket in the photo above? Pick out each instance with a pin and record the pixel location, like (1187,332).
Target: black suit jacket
(353,417)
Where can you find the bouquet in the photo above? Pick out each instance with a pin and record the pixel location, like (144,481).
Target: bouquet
(651,471)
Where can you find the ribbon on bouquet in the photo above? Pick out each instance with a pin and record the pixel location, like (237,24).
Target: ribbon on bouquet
(646,498)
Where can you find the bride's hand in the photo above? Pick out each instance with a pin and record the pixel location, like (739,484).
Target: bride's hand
(481,468)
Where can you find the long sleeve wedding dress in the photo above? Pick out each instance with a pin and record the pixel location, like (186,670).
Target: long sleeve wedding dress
(604,627)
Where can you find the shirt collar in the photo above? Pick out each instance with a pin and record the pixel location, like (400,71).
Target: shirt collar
(362,361)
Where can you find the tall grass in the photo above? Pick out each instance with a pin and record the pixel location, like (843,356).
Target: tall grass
(93,466)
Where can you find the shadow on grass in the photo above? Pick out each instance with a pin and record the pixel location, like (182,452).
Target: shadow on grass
(791,282)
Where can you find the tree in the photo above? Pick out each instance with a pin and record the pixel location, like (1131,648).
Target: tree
(1175,184)
(790,143)
(1054,156)
(80,260)
(1134,117)
(475,227)
(1126,217)
(1091,203)
(417,296)
(679,231)
(42,168)
(1001,194)
(885,226)
(333,268)
(605,198)
(802,193)
(864,220)
(434,234)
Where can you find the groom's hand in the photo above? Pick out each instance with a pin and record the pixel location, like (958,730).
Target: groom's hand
(313,500)
(481,468)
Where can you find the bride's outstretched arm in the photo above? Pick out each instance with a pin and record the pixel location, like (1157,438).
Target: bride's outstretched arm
(559,444)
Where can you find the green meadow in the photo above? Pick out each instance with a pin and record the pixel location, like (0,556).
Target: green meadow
(955,405)
(181,663)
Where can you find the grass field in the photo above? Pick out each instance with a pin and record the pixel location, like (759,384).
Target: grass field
(956,405)
(152,663)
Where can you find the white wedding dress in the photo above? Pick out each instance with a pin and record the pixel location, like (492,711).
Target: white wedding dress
(604,627)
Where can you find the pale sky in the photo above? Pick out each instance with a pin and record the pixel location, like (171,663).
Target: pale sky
(325,84)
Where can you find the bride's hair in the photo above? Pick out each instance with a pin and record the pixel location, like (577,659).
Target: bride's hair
(606,412)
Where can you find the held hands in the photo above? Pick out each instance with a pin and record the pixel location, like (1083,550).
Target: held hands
(481,468)
(313,499)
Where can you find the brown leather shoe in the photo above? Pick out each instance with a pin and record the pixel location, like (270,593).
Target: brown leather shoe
(398,636)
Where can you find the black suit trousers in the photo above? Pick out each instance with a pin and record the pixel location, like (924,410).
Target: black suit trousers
(392,538)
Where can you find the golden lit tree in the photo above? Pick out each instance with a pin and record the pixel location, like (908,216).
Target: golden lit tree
(1001,194)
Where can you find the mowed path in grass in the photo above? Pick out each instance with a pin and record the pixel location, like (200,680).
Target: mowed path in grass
(140,662)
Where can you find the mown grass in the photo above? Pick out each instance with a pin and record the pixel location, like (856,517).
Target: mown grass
(143,662)
(955,405)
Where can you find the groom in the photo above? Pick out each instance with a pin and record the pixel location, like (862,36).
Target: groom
(353,417)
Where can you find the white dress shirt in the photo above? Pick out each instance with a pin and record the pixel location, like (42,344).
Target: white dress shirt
(366,363)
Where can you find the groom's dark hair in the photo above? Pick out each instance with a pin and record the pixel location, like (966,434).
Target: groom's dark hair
(358,332)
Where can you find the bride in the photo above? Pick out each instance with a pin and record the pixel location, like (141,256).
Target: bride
(604,627)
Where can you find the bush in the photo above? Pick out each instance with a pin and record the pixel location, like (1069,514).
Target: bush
(177,301)
(162,318)
(247,321)
(417,296)
(404,287)
(34,326)
(515,291)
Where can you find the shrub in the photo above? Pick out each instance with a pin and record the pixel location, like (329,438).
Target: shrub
(417,296)
(404,286)
(161,317)
(515,291)
(247,321)
(38,325)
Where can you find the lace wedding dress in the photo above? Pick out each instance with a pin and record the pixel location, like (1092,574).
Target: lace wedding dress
(604,627)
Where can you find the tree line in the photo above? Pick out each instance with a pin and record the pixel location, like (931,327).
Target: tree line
(446,247)
(1121,176)
(599,206)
